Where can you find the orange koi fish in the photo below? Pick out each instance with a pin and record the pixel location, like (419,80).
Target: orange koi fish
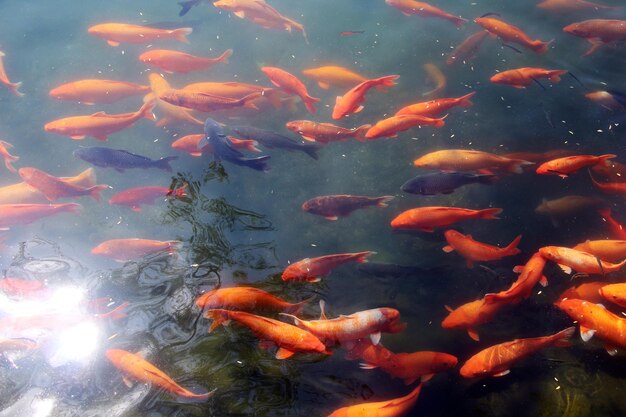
(334,76)
(616,228)
(434,75)
(290,84)
(598,32)
(595,320)
(611,171)
(247,299)
(98,125)
(563,167)
(4,79)
(134,366)
(237,90)
(190,143)
(17,287)
(124,250)
(562,6)
(473,251)
(172,114)
(434,108)
(390,408)
(589,291)
(466,160)
(180,62)
(427,219)
(22,193)
(472,314)
(16,214)
(206,102)
(610,100)
(313,269)
(406,366)
(572,259)
(539,157)
(54,188)
(326,132)
(497,360)
(97,91)
(615,188)
(467,49)
(135,197)
(8,158)
(529,275)
(116,33)
(343,329)
(391,126)
(289,339)
(420,8)
(351,101)
(510,33)
(523,77)
(607,250)
(615,293)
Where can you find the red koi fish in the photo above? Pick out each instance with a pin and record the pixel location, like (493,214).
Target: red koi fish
(351,101)
(180,62)
(607,250)
(290,84)
(135,197)
(17,287)
(390,408)
(589,291)
(134,366)
(473,250)
(497,360)
(326,132)
(206,102)
(391,126)
(598,32)
(472,314)
(16,214)
(247,299)
(616,228)
(615,293)
(90,92)
(523,77)
(54,188)
(571,164)
(427,219)
(123,250)
(420,8)
(467,49)
(313,269)
(116,33)
(615,188)
(510,33)
(4,79)
(468,160)
(529,275)
(190,143)
(289,339)
(434,108)
(562,6)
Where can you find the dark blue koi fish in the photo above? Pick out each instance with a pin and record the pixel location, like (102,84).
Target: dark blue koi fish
(272,140)
(444,182)
(120,159)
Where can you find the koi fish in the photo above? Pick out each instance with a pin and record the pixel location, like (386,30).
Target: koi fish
(180,62)
(615,188)
(497,360)
(54,188)
(529,275)
(97,91)
(290,84)
(563,167)
(4,79)
(589,291)
(351,101)
(510,33)
(124,250)
(571,259)
(172,114)
(135,197)
(22,193)
(473,251)
(331,207)
(276,97)
(598,32)
(611,171)
(573,6)
(334,76)
(116,33)
(120,159)
(247,299)
(274,140)
(595,320)
(610,100)
(444,182)
(427,219)
(313,269)
(98,125)
(615,293)
(391,126)
(390,408)
(20,214)
(467,49)
(466,160)
(190,143)
(406,366)
(607,250)
(523,77)
(617,229)
(434,75)
(539,157)
(8,158)
(472,314)
(288,338)
(206,102)
(17,287)
(326,132)
(434,108)
(134,366)
(567,206)
(420,8)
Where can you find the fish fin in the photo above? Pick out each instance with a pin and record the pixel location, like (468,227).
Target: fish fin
(611,350)
(225,56)
(491,213)
(323,85)
(375,338)
(13,88)
(503,373)
(113,43)
(266,344)
(424,378)
(543,281)
(127,382)
(181,34)
(586,333)
(406,14)
(565,268)
(219,317)
(512,247)
(296,320)
(296,308)
(313,280)
(102,138)
(283,353)
(562,338)
(448,308)
(448,249)
(164,163)
(382,201)
(361,258)
(473,334)
(77,137)
(309,138)
(359,109)
(367,365)
(518,269)
(240,14)
(323,310)
(94,191)
(331,217)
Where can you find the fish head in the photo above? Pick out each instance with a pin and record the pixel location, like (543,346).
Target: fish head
(453,235)
(102,249)
(206,300)
(158,83)
(116,356)
(168,96)
(472,369)
(63,92)
(293,272)
(576,29)
(294,126)
(571,306)
(499,78)
(56,126)
(81,153)
(391,318)
(443,361)
(224,4)
(97,30)
(614,293)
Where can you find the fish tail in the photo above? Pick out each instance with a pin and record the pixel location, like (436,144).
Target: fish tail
(309,103)
(13,88)
(490,213)
(117,313)
(225,55)
(361,257)
(555,76)
(561,339)
(386,82)
(360,132)
(146,109)
(200,397)
(186,6)
(87,178)
(459,21)
(95,191)
(604,159)
(541,47)
(517,166)
(247,100)
(174,245)
(8,162)
(180,191)
(164,163)
(273,95)
(465,100)
(382,201)
(72,207)
(440,122)
(296,309)
(250,145)
(181,34)
(219,317)
(512,248)
(311,149)
(260,163)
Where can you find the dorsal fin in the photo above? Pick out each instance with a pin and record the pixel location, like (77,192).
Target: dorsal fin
(322,312)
